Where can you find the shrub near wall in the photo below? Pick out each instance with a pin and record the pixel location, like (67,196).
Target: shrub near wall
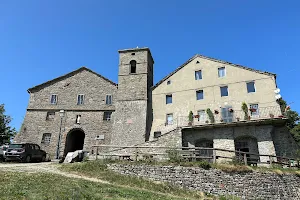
(247,185)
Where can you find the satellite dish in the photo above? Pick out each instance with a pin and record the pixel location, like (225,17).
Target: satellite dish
(277,90)
(278,96)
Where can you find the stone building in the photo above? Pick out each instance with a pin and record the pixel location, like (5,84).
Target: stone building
(82,108)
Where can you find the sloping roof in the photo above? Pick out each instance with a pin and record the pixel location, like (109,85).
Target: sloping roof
(66,76)
(212,59)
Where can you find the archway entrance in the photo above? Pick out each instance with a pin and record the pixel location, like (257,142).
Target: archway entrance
(74,140)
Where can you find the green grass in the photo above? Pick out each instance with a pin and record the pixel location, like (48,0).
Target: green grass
(97,169)
(15,185)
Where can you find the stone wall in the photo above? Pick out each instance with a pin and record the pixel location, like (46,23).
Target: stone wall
(251,185)
(82,81)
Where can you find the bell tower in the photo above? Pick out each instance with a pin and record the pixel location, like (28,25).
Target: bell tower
(133,115)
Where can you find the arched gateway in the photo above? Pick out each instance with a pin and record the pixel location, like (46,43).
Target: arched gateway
(74,140)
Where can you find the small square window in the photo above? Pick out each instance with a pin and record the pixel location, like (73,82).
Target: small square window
(199,94)
(250,87)
(108,99)
(53,99)
(168,82)
(107,116)
(224,91)
(169,119)
(221,71)
(50,115)
(78,117)
(80,99)
(168,99)
(46,138)
(198,75)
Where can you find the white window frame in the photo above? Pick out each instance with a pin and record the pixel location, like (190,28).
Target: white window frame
(227,90)
(106,99)
(202,117)
(202,95)
(219,72)
(256,113)
(169,122)
(83,98)
(253,86)
(198,76)
(56,99)
(169,95)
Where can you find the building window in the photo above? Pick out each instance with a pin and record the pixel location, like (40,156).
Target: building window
(198,75)
(53,99)
(224,91)
(250,87)
(169,119)
(133,67)
(78,117)
(46,138)
(168,82)
(168,99)
(221,71)
(202,115)
(80,99)
(199,94)
(108,99)
(254,111)
(107,116)
(50,115)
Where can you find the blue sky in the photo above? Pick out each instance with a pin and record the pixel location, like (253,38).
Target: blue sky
(40,40)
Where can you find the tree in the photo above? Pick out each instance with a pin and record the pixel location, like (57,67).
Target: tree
(292,119)
(6,131)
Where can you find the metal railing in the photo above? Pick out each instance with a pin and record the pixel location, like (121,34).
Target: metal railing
(218,117)
(188,154)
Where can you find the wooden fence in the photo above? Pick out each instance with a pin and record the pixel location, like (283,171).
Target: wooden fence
(189,154)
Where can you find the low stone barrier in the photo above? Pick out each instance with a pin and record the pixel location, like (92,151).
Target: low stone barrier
(249,185)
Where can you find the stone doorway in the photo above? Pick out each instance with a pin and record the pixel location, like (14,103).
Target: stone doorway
(74,141)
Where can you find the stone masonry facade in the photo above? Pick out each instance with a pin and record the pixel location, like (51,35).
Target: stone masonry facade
(82,109)
(249,185)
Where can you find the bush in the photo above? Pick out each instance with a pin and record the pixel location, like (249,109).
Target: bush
(174,156)
(204,164)
(210,115)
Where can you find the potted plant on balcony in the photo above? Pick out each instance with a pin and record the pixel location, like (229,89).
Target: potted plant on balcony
(210,115)
(216,111)
(245,109)
(191,118)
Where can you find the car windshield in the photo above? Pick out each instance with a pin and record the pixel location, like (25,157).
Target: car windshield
(15,146)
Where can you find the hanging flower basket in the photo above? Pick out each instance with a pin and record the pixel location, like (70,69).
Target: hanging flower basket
(252,110)
(230,110)
(216,112)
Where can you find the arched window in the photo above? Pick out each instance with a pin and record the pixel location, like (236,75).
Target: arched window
(133,67)
(46,138)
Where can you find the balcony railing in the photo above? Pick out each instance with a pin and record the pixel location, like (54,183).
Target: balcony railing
(230,116)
